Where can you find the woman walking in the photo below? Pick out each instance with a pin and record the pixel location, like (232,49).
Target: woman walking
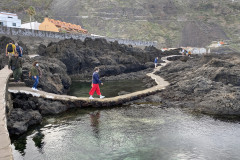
(35,73)
(95,84)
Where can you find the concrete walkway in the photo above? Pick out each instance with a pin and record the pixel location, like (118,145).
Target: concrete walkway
(84,101)
(5,149)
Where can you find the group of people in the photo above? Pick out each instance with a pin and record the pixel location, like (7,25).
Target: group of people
(14,52)
(185,52)
(15,62)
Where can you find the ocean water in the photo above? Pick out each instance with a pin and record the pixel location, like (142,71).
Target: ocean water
(136,132)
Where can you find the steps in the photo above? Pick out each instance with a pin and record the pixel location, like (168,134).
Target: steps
(16,84)
(12,83)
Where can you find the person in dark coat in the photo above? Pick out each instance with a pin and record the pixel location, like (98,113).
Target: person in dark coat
(15,64)
(95,84)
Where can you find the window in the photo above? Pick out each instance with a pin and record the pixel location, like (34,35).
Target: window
(1,23)
(14,24)
(10,17)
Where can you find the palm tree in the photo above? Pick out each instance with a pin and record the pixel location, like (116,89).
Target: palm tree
(31,12)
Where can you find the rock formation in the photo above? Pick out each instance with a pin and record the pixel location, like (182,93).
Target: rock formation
(209,84)
(80,57)
(54,74)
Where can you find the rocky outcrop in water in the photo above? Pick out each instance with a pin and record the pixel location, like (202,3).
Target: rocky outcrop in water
(74,57)
(209,84)
(28,111)
(77,59)
(81,57)
(19,120)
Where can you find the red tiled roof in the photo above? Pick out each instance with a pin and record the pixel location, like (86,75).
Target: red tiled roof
(68,26)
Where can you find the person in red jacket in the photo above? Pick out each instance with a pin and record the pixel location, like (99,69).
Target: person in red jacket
(95,84)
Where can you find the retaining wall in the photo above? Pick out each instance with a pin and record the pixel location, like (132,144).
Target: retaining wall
(5,149)
(56,35)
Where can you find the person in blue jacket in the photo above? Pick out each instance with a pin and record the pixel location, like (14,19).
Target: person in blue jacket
(155,62)
(95,84)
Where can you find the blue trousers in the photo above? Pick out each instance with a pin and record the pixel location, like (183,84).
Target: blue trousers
(36,81)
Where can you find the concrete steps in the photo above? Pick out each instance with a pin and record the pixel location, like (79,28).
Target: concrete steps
(12,83)
(16,84)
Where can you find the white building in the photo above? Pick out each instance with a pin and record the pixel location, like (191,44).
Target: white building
(31,25)
(9,20)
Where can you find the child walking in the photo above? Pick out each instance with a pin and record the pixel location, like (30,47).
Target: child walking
(95,84)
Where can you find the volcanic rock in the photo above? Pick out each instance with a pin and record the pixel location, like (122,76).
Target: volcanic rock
(19,120)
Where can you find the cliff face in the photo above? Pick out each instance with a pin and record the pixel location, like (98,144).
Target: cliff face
(170,22)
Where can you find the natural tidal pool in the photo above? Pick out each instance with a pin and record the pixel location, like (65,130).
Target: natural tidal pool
(109,88)
(139,132)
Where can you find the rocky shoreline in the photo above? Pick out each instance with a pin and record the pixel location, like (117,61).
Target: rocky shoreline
(69,60)
(35,108)
(208,84)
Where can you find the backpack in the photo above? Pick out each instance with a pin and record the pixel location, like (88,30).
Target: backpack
(10,48)
(19,48)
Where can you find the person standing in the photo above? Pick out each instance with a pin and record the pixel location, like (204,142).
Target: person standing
(10,49)
(15,64)
(95,84)
(182,51)
(34,73)
(155,62)
(189,53)
(19,49)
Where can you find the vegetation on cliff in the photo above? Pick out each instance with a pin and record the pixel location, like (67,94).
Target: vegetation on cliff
(164,21)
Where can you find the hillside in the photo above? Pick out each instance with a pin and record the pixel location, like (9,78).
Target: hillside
(170,22)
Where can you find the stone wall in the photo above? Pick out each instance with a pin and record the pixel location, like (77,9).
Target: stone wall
(60,36)
(5,149)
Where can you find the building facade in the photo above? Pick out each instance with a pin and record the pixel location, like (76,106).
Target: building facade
(31,25)
(9,20)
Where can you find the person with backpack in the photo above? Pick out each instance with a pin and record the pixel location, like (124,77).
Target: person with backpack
(155,62)
(15,64)
(35,73)
(19,49)
(10,49)
(95,84)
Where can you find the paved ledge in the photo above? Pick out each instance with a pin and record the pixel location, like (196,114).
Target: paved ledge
(5,149)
